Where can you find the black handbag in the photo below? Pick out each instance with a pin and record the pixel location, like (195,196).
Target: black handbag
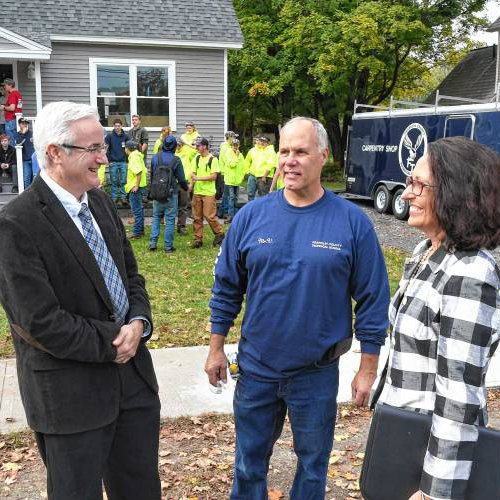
(395,454)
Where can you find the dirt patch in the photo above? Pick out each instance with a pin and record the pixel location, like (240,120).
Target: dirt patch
(197,458)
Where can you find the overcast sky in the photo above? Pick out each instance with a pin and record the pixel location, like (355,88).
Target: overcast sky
(492,12)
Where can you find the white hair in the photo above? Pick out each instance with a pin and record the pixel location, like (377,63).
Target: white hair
(52,125)
(320,131)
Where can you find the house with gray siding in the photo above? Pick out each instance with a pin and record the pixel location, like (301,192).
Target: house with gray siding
(165,60)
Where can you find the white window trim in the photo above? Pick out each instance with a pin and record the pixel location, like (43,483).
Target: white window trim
(132,64)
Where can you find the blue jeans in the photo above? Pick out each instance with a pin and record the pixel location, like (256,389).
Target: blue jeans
(232,200)
(251,187)
(10,130)
(27,173)
(135,200)
(223,207)
(167,209)
(116,167)
(260,407)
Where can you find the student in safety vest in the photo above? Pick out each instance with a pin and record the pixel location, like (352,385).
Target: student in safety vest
(136,182)
(165,132)
(264,182)
(204,168)
(183,152)
(256,166)
(189,137)
(235,172)
(224,148)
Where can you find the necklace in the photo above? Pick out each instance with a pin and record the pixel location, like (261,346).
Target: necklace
(421,261)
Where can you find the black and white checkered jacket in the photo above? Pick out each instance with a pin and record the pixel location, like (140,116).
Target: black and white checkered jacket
(444,334)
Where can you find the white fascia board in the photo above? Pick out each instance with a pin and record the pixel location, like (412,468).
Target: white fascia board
(145,42)
(30,56)
(24,42)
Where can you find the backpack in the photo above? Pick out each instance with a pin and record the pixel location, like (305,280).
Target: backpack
(219,180)
(163,182)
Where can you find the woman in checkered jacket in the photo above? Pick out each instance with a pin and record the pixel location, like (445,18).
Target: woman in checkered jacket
(445,315)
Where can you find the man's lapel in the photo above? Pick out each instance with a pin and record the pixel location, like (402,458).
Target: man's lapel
(62,223)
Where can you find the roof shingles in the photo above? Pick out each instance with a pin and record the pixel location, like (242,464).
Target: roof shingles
(187,20)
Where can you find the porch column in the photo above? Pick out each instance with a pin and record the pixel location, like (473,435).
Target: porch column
(20,169)
(38,87)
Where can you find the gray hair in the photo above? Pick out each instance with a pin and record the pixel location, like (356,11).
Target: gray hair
(52,125)
(321,134)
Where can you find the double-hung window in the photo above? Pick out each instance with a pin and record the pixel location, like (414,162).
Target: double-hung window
(123,88)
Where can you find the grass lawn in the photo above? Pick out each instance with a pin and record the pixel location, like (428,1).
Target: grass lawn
(179,286)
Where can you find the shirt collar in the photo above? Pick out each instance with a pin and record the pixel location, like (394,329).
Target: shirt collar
(68,201)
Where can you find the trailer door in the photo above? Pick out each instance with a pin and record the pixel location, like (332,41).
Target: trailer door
(459,125)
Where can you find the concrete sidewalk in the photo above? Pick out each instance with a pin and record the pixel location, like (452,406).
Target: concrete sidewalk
(184,388)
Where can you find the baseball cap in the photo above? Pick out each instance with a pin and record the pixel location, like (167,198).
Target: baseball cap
(8,81)
(189,124)
(236,142)
(23,120)
(131,145)
(202,141)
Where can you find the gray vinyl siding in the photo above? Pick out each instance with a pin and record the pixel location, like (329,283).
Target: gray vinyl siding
(27,89)
(8,45)
(199,80)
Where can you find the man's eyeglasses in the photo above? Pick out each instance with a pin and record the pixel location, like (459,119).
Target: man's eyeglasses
(97,148)
(416,186)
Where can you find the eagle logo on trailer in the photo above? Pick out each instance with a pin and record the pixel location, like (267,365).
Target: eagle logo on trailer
(414,140)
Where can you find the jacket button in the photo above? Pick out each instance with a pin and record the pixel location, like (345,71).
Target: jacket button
(112,317)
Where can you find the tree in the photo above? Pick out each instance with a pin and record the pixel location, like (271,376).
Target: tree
(317,57)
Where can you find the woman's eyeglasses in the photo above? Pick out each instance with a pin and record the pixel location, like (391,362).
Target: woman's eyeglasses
(416,186)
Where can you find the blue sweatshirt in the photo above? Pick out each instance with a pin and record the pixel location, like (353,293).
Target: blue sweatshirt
(167,153)
(299,269)
(26,140)
(116,143)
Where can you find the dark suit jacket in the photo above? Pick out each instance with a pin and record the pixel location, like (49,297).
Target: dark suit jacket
(60,312)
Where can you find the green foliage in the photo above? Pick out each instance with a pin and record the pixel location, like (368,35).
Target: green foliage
(316,57)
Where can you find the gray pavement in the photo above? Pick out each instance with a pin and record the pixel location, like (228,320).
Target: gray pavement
(184,388)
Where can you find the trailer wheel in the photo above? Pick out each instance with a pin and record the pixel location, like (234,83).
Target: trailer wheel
(400,207)
(382,200)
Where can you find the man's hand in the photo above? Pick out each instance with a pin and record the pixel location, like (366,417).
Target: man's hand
(216,364)
(134,189)
(190,188)
(363,381)
(127,341)
(418,496)
(194,178)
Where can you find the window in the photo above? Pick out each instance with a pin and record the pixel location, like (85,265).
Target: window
(120,89)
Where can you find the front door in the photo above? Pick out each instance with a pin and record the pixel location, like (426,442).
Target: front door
(6,71)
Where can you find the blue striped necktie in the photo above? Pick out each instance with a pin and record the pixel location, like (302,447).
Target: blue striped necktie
(106,264)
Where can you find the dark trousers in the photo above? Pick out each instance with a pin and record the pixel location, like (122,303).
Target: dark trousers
(123,454)
(182,208)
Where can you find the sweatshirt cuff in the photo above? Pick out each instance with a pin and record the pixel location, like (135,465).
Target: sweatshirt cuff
(220,328)
(369,348)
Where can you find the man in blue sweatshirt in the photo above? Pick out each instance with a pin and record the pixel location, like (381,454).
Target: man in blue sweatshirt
(117,158)
(167,209)
(299,257)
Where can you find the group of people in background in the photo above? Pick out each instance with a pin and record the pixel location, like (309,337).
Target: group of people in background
(197,173)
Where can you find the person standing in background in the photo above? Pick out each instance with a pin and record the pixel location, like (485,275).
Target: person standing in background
(117,159)
(13,104)
(24,138)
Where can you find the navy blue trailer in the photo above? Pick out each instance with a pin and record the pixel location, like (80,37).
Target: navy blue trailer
(385,145)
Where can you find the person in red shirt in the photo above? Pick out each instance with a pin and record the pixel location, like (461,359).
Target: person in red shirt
(13,105)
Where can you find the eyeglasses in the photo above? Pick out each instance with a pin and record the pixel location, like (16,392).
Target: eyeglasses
(97,148)
(416,186)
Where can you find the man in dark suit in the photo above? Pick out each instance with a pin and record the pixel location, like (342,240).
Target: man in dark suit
(80,316)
